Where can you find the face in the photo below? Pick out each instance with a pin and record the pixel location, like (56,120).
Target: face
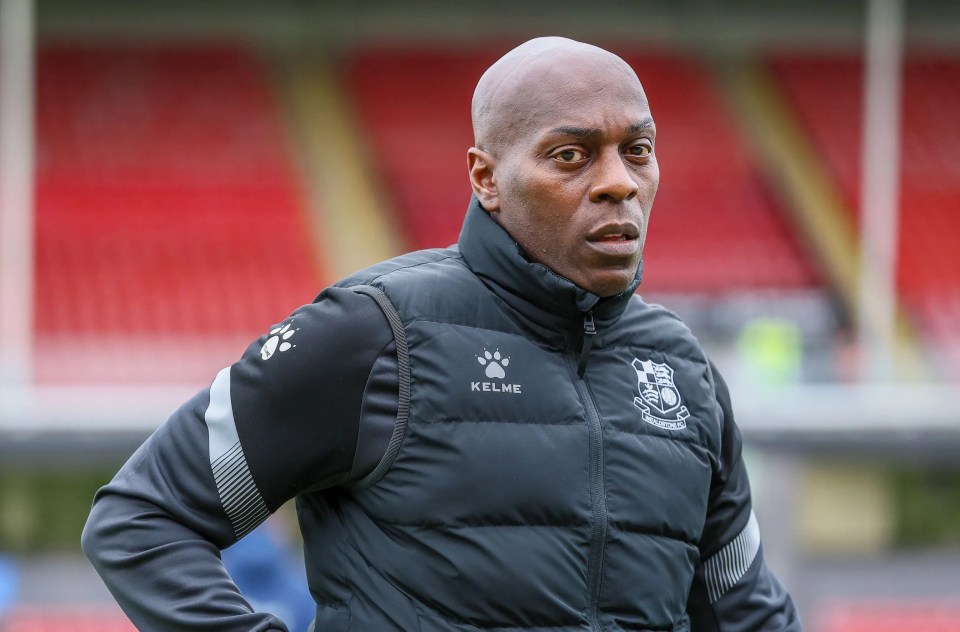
(575,184)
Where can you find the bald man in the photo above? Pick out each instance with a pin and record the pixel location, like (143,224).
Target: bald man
(499,435)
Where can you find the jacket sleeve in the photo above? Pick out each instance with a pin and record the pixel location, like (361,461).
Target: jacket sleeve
(733,590)
(282,420)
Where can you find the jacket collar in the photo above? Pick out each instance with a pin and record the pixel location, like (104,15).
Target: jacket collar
(533,289)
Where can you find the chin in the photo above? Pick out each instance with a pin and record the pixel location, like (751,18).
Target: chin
(607,278)
(610,286)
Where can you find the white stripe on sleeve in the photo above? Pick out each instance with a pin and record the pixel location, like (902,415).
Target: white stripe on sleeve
(725,567)
(238,492)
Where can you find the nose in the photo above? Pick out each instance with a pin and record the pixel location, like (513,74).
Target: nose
(613,181)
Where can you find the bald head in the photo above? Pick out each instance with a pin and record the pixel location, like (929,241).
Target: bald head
(529,82)
(564,159)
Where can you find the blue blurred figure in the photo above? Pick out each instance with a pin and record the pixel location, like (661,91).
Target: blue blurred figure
(270,577)
(8,586)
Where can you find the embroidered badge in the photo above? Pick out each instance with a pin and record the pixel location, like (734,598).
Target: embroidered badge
(659,400)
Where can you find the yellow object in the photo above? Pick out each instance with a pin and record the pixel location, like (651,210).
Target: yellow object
(772,351)
(350,220)
(846,508)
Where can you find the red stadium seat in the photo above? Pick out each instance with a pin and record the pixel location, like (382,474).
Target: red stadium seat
(168,210)
(876,616)
(78,618)
(715,224)
(826,95)
(415,108)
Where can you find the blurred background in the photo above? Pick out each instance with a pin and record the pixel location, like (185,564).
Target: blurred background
(177,176)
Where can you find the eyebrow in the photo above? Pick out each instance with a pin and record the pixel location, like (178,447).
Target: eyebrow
(593,132)
(642,126)
(578,132)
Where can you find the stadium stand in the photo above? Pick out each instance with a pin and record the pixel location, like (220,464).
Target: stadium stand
(66,618)
(716,226)
(168,211)
(826,93)
(918,614)
(352,224)
(415,108)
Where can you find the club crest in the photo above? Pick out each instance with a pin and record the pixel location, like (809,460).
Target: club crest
(659,401)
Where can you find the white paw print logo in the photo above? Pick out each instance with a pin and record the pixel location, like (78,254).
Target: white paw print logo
(274,344)
(494,363)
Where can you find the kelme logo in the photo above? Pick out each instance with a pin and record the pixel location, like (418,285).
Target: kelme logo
(494,368)
(278,341)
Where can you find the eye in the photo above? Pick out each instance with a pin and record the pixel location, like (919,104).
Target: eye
(640,150)
(570,155)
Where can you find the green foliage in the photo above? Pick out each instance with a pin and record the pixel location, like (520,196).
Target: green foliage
(928,506)
(46,509)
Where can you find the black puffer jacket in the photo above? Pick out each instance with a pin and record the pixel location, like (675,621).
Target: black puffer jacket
(555,467)
(475,444)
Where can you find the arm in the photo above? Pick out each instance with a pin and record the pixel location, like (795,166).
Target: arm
(733,590)
(275,424)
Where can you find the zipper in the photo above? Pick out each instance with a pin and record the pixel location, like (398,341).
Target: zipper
(586,341)
(597,497)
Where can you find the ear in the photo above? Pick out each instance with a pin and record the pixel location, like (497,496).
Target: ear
(480,166)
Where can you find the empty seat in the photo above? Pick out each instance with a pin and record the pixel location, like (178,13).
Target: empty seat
(168,208)
(825,93)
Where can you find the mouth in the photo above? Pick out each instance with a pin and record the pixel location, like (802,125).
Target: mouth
(614,232)
(614,238)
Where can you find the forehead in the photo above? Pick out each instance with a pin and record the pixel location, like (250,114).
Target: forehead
(595,93)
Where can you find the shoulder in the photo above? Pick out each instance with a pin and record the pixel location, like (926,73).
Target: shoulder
(661,333)
(661,338)
(411,266)
(660,328)
(654,313)
(429,284)
(341,323)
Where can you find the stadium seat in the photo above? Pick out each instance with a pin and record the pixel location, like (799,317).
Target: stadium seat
(168,210)
(825,93)
(415,109)
(886,616)
(716,225)
(66,618)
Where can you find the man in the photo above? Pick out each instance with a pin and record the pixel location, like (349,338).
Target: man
(499,435)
